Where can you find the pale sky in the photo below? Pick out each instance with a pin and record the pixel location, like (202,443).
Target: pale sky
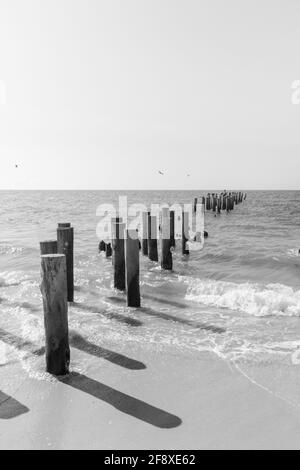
(101,94)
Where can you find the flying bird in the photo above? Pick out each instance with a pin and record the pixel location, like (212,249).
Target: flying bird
(161,173)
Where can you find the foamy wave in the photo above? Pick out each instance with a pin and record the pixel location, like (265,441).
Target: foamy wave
(11,278)
(254,299)
(293,253)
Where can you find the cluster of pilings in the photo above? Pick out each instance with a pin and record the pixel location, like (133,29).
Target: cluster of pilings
(224,201)
(57,264)
(57,271)
(125,246)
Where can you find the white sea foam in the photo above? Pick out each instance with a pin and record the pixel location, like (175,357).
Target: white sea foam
(254,299)
(10,278)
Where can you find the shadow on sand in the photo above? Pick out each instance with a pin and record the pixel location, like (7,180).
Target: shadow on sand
(112,316)
(167,316)
(20,343)
(125,403)
(11,408)
(77,342)
(82,344)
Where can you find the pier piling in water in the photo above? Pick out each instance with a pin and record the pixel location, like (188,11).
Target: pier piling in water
(185,231)
(145,233)
(108,250)
(152,238)
(55,304)
(166,255)
(132,262)
(172,229)
(195,204)
(65,246)
(118,245)
(48,247)
(208,205)
(102,246)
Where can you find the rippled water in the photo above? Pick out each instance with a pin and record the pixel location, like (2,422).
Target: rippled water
(239,297)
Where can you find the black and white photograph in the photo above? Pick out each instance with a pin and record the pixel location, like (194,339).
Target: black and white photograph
(149,227)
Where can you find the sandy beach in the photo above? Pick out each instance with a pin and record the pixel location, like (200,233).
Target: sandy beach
(174,403)
(205,363)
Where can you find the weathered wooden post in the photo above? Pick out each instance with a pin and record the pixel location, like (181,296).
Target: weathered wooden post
(102,246)
(166,255)
(118,244)
(219,205)
(195,204)
(172,229)
(68,225)
(108,250)
(55,303)
(214,208)
(224,205)
(48,247)
(145,233)
(152,237)
(208,204)
(132,257)
(65,246)
(185,231)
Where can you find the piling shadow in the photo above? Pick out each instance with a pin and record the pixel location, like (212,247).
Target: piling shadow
(20,343)
(77,342)
(82,344)
(125,403)
(193,324)
(111,315)
(165,301)
(167,316)
(11,408)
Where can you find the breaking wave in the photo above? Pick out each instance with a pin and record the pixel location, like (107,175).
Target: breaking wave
(254,299)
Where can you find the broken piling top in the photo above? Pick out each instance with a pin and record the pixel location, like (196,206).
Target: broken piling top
(48,247)
(64,225)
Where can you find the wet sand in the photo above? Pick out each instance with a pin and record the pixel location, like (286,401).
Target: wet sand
(153,400)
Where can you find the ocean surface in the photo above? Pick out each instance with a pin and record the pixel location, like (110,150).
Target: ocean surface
(238,298)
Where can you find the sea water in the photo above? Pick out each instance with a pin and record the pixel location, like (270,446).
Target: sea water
(238,298)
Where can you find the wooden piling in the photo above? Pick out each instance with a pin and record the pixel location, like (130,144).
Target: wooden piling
(195,204)
(224,204)
(55,303)
(214,205)
(208,202)
(64,225)
(102,246)
(48,247)
(166,255)
(118,245)
(152,238)
(145,233)
(108,250)
(185,230)
(219,207)
(132,262)
(65,246)
(172,229)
